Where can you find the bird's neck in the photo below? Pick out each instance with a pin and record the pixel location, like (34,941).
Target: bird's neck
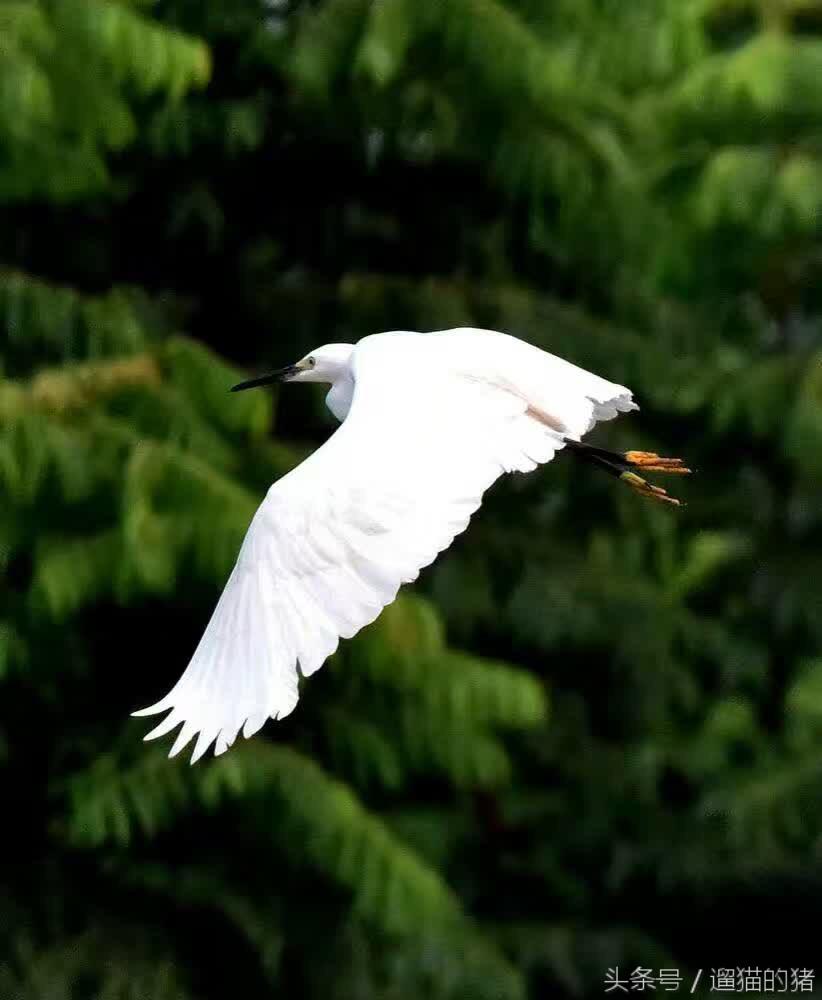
(339,396)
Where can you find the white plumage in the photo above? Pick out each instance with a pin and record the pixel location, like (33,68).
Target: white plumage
(430,421)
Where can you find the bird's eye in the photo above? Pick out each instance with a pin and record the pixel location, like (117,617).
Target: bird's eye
(312,362)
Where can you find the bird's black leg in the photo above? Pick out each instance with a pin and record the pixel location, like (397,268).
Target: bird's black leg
(622,466)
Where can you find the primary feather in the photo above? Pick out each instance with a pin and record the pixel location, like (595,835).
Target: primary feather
(433,421)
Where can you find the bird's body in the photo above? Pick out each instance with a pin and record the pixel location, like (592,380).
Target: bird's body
(429,422)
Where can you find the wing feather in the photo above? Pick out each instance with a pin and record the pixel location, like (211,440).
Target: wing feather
(434,421)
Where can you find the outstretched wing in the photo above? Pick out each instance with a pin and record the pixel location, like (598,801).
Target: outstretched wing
(431,426)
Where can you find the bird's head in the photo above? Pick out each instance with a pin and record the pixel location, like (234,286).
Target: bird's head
(325,364)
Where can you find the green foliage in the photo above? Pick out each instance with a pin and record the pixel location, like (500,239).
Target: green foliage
(115,962)
(320,823)
(67,67)
(441,706)
(42,324)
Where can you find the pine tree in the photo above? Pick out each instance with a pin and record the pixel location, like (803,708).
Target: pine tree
(68,70)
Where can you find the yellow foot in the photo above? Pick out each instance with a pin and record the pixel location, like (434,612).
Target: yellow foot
(649,461)
(647,489)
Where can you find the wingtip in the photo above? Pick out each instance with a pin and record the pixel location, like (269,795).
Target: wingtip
(202,746)
(254,723)
(168,723)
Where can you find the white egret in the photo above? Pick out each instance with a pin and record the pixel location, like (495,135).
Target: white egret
(429,422)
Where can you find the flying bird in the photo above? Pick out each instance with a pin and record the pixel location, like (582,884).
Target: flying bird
(428,422)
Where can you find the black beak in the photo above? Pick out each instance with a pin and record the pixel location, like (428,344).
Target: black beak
(280,375)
